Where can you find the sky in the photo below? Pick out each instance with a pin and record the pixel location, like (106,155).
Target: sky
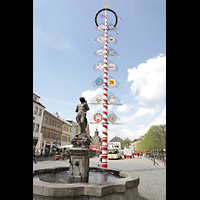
(63,35)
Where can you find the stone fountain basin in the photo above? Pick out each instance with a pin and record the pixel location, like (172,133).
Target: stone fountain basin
(124,188)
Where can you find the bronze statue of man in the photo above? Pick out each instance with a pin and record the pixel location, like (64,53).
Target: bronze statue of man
(81,110)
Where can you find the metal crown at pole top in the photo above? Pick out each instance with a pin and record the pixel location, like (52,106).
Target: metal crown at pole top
(106,4)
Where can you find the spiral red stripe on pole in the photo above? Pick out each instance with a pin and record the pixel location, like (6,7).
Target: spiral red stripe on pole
(105,96)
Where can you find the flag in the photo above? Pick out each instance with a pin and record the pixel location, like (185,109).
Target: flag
(119,18)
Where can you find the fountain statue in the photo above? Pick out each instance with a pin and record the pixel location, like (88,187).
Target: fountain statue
(80,152)
(79,181)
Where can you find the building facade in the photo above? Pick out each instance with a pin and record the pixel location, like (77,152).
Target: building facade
(38,112)
(116,142)
(135,141)
(96,140)
(66,130)
(52,128)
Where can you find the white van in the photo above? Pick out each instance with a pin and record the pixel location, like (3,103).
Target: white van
(127,153)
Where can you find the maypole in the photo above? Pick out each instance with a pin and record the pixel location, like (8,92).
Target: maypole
(105,82)
(105,96)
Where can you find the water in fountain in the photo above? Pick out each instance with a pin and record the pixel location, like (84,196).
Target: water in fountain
(63,177)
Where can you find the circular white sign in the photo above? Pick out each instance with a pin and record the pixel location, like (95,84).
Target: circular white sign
(100,52)
(100,39)
(101,27)
(111,27)
(112,99)
(111,39)
(99,98)
(99,66)
(111,66)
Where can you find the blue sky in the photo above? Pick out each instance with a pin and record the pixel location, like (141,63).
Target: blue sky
(62,48)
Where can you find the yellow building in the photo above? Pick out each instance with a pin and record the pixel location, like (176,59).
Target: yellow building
(66,130)
(52,128)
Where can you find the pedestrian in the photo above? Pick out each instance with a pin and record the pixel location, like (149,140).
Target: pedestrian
(34,159)
(100,159)
(138,154)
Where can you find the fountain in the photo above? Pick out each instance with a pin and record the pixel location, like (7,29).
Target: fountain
(79,181)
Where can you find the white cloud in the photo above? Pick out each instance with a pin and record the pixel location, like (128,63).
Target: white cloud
(149,79)
(160,119)
(89,94)
(141,112)
(124,108)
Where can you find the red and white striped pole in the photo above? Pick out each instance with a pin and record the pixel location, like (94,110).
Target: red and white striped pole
(105,96)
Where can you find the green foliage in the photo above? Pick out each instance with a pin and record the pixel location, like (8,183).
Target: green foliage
(126,142)
(154,139)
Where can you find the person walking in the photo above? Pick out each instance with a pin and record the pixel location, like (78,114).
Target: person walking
(34,159)
(100,159)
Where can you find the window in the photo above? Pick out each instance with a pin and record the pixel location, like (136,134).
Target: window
(33,126)
(40,112)
(44,134)
(50,122)
(50,135)
(36,110)
(46,120)
(37,128)
(34,98)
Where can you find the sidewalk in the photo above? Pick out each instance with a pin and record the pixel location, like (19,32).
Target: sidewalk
(157,161)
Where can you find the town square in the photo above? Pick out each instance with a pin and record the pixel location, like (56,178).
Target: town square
(99,100)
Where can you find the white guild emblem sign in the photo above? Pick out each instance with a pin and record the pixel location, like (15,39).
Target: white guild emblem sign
(100,39)
(100,52)
(98,98)
(111,27)
(111,39)
(101,27)
(111,66)
(112,99)
(99,66)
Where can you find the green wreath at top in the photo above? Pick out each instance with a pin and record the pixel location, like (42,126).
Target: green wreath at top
(108,10)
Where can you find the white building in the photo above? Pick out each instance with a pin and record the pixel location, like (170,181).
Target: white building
(116,142)
(38,112)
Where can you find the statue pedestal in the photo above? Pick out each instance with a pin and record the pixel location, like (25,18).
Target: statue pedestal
(79,166)
(79,158)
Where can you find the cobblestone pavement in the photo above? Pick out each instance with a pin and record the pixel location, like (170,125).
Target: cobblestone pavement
(152,177)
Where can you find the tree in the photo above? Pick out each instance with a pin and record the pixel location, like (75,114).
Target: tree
(154,139)
(126,142)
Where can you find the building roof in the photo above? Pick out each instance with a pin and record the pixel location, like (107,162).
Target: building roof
(36,95)
(116,139)
(62,119)
(39,103)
